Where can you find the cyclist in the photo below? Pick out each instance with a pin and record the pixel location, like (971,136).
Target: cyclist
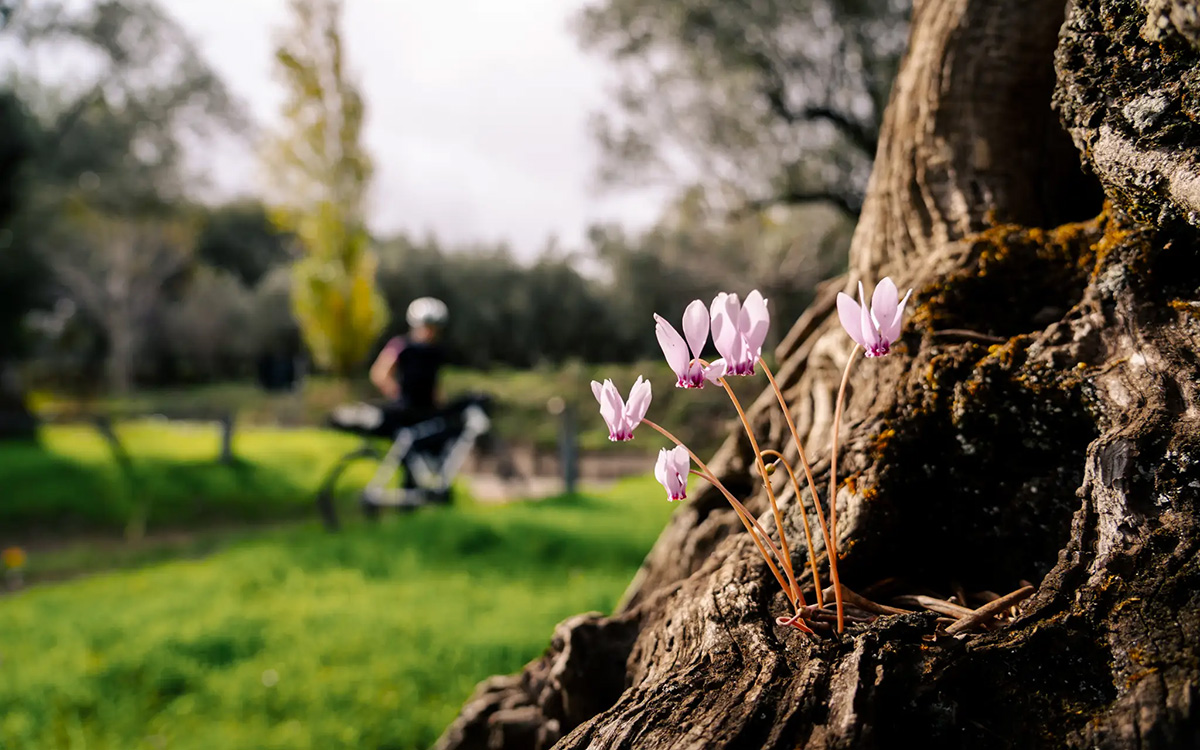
(406,371)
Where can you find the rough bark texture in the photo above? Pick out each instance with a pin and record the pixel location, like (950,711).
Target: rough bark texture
(1057,441)
(1134,114)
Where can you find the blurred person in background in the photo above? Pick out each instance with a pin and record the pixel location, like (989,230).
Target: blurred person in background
(406,371)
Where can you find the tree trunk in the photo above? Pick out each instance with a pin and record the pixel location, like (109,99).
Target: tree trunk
(16,421)
(1039,420)
(118,366)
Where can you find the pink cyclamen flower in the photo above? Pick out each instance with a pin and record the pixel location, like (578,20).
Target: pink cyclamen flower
(671,471)
(739,329)
(875,329)
(683,352)
(622,417)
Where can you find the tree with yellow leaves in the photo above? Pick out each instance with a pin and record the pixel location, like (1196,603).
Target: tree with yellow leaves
(321,173)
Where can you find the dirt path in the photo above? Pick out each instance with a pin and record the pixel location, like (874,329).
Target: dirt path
(489,488)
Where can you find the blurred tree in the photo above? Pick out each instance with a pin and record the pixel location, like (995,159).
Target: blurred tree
(113,131)
(272,325)
(319,164)
(774,101)
(502,311)
(569,315)
(109,151)
(116,270)
(18,287)
(596,305)
(241,238)
(210,328)
(695,251)
(19,268)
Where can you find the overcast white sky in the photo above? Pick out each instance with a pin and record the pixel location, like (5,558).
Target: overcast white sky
(477,114)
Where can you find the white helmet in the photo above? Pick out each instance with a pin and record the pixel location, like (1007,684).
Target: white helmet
(426,311)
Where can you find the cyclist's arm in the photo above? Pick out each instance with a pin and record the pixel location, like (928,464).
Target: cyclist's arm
(381,370)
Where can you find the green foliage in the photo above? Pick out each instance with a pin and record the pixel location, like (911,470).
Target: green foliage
(503,312)
(105,178)
(323,170)
(240,238)
(369,638)
(334,298)
(111,148)
(111,136)
(774,101)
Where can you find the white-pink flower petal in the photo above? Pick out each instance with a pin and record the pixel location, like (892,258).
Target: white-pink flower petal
(716,370)
(612,409)
(638,403)
(674,348)
(695,327)
(870,334)
(891,331)
(725,312)
(883,303)
(671,471)
(660,470)
(753,324)
(849,314)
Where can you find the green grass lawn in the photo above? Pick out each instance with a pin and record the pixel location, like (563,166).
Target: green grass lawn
(69,482)
(370,638)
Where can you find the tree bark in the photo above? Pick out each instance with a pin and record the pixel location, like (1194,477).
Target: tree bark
(1039,420)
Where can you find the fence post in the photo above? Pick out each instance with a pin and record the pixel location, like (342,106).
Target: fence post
(135,524)
(568,449)
(226,422)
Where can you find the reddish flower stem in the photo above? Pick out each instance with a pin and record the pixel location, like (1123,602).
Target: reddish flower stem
(837,420)
(762,471)
(812,555)
(747,518)
(751,524)
(812,485)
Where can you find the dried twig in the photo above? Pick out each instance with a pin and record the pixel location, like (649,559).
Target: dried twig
(940,606)
(989,610)
(985,596)
(866,604)
(961,333)
(831,617)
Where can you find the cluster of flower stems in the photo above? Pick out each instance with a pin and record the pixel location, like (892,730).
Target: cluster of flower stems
(738,331)
(766,460)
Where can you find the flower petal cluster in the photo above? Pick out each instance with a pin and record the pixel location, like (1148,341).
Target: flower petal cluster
(875,329)
(621,416)
(739,330)
(683,352)
(671,471)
